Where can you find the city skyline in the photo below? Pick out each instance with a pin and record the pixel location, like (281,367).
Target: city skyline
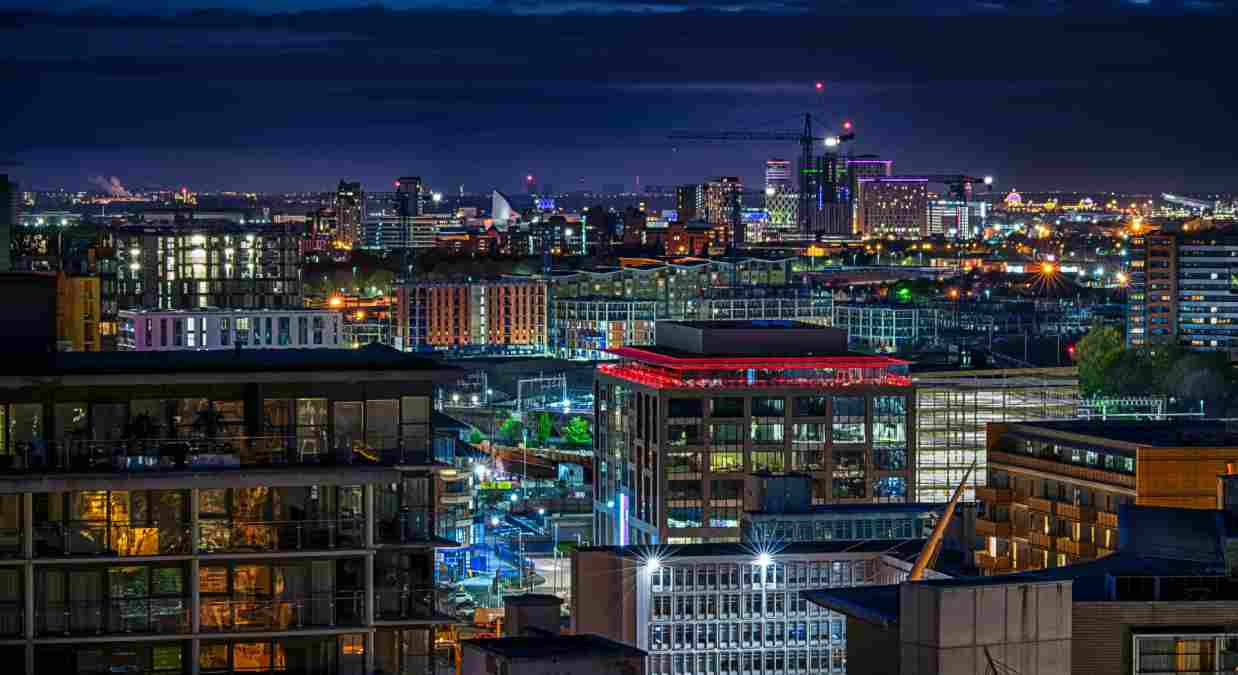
(293,102)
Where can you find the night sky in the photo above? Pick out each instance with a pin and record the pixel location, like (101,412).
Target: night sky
(1139,96)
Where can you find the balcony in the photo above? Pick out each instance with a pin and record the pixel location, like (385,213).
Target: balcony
(410,526)
(1014,461)
(1083,549)
(1039,504)
(100,539)
(1107,519)
(316,610)
(992,495)
(992,563)
(989,528)
(426,604)
(145,616)
(12,615)
(1040,540)
(1101,551)
(1082,514)
(220,452)
(1019,530)
(10,543)
(290,535)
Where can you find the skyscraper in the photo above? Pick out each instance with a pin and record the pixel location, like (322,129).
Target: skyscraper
(895,206)
(689,202)
(778,176)
(349,205)
(723,201)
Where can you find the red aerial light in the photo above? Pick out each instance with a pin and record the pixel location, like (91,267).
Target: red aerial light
(529,178)
(847,125)
(397,183)
(820,86)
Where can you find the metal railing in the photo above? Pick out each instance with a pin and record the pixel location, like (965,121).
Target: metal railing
(10,542)
(222,615)
(287,535)
(221,452)
(118,616)
(97,538)
(12,618)
(406,605)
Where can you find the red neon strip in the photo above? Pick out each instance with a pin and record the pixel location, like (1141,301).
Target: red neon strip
(663,380)
(724,363)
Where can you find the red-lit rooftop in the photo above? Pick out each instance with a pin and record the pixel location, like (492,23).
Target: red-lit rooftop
(667,359)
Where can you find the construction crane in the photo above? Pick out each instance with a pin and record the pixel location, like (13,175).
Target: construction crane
(805,138)
(929,552)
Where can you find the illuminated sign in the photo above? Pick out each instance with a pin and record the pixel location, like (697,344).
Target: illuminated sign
(546,204)
(623,519)
(670,215)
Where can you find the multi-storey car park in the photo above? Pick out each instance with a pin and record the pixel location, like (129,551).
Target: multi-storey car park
(214,512)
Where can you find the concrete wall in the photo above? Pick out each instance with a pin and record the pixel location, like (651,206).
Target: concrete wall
(604,596)
(873,646)
(955,630)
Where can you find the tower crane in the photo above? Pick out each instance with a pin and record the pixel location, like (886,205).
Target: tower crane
(960,185)
(805,138)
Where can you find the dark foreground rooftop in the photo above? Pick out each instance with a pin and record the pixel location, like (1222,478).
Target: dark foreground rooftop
(555,647)
(1168,434)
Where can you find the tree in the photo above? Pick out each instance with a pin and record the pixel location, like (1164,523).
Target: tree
(476,438)
(511,430)
(545,428)
(577,432)
(1096,354)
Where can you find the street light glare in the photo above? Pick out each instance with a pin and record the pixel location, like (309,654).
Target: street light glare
(764,560)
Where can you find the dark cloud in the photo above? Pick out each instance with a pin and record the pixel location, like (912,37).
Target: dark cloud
(230,99)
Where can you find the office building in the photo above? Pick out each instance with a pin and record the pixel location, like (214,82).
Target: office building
(1055,488)
(783,210)
(214,513)
(491,316)
(722,201)
(778,176)
(729,609)
(586,328)
(683,423)
(1164,604)
(78,313)
(953,408)
(322,231)
(689,202)
(896,206)
(1180,291)
(147,330)
(349,207)
(207,263)
(9,195)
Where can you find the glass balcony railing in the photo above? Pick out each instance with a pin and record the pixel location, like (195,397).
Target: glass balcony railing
(410,526)
(95,538)
(409,605)
(290,535)
(221,452)
(316,610)
(158,616)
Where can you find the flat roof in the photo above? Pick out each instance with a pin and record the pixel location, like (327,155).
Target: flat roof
(878,508)
(677,359)
(371,357)
(555,647)
(1167,434)
(904,549)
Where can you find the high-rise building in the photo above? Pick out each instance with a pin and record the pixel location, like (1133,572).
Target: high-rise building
(350,211)
(778,176)
(219,513)
(195,264)
(895,206)
(149,330)
(1181,287)
(322,232)
(723,206)
(689,202)
(8,220)
(684,423)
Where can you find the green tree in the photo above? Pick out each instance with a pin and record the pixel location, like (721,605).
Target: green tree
(1096,354)
(511,430)
(476,438)
(545,428)
(577,432)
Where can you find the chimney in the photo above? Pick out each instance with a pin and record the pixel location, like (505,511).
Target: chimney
(532,614)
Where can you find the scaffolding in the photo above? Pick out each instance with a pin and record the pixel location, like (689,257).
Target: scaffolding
(952,409)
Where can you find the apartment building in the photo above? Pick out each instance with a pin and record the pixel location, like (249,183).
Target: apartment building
(497,316)
(682,424)
(1055,488)
(1183,290)
(212,513)
(206,329)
